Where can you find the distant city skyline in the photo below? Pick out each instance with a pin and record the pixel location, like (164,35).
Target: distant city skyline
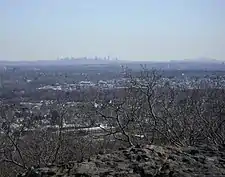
(125,29)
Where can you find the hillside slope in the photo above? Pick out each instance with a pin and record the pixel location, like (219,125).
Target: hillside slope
(146,161)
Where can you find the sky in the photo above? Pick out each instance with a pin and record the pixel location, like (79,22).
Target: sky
(127,29)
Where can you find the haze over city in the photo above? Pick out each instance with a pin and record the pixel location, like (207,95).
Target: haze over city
(101,88)
(128,29)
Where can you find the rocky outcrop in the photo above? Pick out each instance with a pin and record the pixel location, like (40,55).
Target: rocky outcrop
(146,161)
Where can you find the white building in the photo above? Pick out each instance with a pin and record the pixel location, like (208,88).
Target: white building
(86,84)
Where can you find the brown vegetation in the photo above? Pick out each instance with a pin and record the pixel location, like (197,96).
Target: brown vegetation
(146,112)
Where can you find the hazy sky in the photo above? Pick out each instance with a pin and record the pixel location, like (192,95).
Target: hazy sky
(127,29)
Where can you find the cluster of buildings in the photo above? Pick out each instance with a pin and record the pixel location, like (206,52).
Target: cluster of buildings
(182,82)
(192,83)
(102,84)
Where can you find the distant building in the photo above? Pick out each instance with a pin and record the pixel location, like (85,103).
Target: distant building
(86,84)
(102,84)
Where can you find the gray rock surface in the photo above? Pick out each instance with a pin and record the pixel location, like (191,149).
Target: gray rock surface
(146,161)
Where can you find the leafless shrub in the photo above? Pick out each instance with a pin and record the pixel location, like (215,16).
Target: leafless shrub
(154,112)
(147,110)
